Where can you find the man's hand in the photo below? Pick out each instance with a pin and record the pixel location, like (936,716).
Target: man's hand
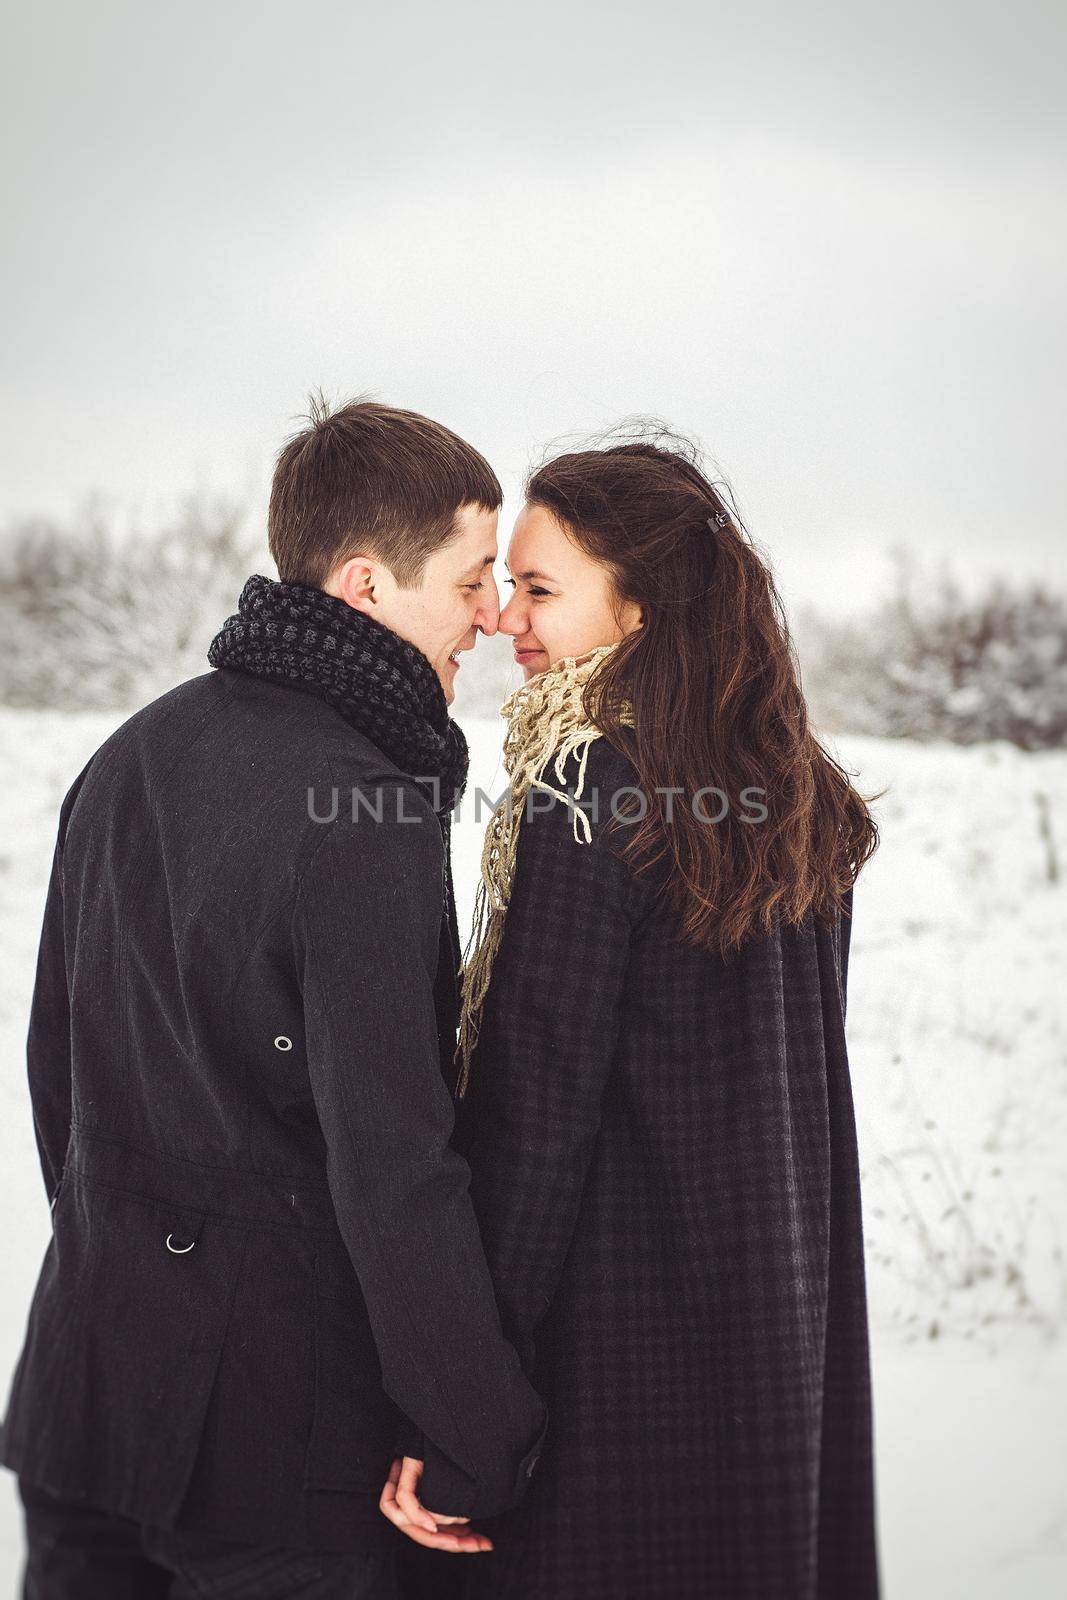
(400,1503)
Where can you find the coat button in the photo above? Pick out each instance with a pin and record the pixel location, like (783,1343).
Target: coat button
(176,1247)
(282,1043)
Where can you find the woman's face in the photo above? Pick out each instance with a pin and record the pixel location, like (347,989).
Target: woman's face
(563,602)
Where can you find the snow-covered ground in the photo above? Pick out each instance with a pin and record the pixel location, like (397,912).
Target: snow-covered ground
(958,1047)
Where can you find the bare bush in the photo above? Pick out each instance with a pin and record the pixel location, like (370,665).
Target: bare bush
(941,665)
(96,620)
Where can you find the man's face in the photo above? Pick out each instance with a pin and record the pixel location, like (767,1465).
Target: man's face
(456,598)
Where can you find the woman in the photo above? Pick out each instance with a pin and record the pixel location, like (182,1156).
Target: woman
(655,1097)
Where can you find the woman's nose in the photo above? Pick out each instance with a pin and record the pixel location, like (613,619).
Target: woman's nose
(511,619)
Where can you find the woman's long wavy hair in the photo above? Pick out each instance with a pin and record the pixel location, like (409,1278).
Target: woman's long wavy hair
(714,686)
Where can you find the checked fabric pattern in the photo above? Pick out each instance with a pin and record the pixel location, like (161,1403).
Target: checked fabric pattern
(666,1178)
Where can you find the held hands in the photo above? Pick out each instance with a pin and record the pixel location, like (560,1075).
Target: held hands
(400,1503)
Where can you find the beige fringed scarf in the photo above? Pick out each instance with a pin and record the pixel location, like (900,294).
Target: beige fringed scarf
(545,719)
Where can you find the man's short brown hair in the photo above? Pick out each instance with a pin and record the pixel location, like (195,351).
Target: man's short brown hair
(367,477)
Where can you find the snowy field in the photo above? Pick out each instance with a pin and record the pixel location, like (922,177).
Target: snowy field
(958,1046)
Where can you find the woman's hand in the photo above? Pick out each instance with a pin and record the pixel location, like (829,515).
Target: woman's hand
(400,1503)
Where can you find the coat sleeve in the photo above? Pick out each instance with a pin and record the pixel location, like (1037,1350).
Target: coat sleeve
(367,921)
(532,1109)
(48,1049)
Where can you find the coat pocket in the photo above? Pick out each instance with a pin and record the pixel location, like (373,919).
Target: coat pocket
(353,1423)
(128,1323)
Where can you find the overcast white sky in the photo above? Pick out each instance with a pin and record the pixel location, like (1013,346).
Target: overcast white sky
(828,240)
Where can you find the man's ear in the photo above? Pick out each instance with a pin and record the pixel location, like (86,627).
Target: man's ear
(360,582)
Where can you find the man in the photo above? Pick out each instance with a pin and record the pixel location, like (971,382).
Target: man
(265,1280)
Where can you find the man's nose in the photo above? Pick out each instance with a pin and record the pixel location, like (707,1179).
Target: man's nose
(488,615)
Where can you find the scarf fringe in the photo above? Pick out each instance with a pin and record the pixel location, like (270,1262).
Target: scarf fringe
(546,723)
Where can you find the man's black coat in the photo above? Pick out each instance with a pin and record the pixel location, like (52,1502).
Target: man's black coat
(265,1268)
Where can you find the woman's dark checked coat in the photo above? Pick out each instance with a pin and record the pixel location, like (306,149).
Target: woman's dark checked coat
(665,1173)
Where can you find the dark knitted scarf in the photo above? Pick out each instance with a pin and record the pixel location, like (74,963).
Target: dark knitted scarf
(295,634)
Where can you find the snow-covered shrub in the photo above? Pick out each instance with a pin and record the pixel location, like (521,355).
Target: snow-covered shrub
(944,665)
(93,619)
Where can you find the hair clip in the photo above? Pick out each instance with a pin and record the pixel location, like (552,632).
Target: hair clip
(719,520)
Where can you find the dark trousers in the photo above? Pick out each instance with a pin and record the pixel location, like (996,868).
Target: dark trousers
(432,1574)
(76,1553)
